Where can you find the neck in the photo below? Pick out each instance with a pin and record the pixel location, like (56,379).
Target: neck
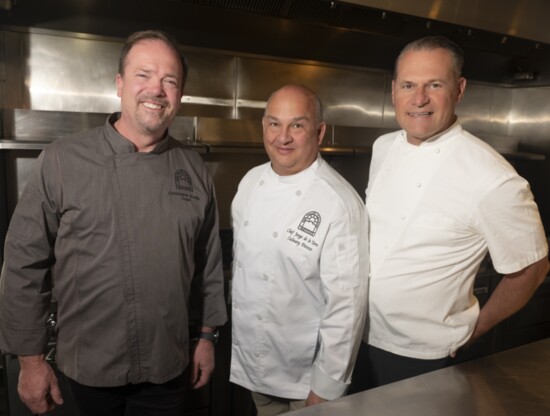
(143,142)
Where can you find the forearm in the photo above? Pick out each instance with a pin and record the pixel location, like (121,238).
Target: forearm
(512,293)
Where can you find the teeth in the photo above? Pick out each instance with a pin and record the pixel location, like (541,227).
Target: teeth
(152,106)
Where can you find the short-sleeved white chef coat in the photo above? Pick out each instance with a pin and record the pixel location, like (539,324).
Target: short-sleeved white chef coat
(434,211)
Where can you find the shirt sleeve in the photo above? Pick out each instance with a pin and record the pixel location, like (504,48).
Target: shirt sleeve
(208,279)
(344,275)
(509,219)
(26,283)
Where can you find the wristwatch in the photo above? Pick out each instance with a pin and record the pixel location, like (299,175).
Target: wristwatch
(210,336)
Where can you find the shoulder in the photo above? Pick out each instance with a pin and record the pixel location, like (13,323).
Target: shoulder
(73,146)
(480,157)
(338,189)
(181,153)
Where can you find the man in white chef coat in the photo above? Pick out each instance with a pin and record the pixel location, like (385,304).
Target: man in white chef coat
(440,199)
(299,269)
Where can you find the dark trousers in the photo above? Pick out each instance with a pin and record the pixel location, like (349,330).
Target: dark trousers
(375,367)
(144,399)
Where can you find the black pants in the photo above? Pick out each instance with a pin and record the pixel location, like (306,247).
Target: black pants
(375,367)
(144,399)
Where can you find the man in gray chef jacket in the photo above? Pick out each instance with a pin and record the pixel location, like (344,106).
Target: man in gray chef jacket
(439,199)
(126,221)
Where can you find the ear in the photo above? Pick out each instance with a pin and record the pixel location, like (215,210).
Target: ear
(461,88)
(321,132)
(393,92)
(119,84)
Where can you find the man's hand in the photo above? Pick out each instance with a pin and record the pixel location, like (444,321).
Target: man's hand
(312,399)
(202,363)
(38,387)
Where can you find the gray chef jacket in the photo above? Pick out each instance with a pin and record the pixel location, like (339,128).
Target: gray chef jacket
(124,234)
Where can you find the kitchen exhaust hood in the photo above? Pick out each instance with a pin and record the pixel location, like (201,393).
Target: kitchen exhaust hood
(506,42)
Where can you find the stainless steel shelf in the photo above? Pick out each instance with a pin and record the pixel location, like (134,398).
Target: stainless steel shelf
(22,145)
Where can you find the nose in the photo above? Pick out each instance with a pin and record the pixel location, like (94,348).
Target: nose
(421,97)
(284,136)
(156,87)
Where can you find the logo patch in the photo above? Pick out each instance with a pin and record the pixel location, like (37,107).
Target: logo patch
(184,186)
(310,223)
(183,181)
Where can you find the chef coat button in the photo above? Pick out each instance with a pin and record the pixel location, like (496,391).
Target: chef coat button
(259,317)
(261,182)
(418,185)
(235,306)
(256,355)
(275,234)
(246,223)
(265,277)
(437,150)
(238,264)
(298,193)
(403,217)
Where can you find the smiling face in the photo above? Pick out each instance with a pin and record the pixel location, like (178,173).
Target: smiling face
(150,90)
(425,93)
(292,130)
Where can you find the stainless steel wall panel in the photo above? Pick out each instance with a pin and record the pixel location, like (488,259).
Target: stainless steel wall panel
(229,132)
(388,110)
(183,129)
(476,108)
(501,105)
(530,117)
(210,74)
(70,74)
(13,75)
(357,136)
(206,110)
(2,71)
(350,97)
(47,125)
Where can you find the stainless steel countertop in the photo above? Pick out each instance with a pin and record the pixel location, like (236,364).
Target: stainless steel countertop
(515,382)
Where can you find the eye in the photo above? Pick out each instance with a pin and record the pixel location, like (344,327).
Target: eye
(172,82)
(436,85)
(297,126)
(407,86)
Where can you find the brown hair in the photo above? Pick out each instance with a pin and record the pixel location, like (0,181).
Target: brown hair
(152,35)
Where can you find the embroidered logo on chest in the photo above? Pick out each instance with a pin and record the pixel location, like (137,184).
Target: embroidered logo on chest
(183,185)
(303,236)
(310,223)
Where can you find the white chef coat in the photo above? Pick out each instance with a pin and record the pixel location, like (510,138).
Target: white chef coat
(300,275)
(434,211)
